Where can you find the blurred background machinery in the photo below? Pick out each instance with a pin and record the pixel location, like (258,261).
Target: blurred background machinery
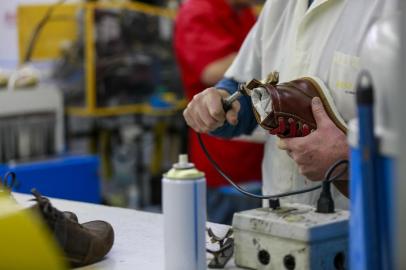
(113,64)
(31,123)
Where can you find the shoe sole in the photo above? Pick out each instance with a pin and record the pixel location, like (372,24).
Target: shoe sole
(328,103)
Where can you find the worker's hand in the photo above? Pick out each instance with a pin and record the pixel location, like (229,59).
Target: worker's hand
(316,152)
(205,112)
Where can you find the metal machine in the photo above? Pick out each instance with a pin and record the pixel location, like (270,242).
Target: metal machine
(31,123)
(292,237)
(288,236)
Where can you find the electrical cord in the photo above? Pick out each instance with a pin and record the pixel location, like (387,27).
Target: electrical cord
(328,177)
(37,30)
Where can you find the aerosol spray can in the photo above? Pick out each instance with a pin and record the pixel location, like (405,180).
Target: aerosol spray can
(184,209)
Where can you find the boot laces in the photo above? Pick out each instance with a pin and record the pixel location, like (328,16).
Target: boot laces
(46,207)
(289,127)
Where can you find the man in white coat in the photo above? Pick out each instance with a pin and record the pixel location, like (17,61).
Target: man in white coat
(298,38)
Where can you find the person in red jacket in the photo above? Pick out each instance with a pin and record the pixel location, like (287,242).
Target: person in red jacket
(208,35)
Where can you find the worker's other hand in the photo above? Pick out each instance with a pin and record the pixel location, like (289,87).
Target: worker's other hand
(316,152)
(205,112)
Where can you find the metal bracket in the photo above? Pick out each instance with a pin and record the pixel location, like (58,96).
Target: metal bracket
(225,251)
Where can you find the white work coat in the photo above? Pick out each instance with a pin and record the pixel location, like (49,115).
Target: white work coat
(323,40)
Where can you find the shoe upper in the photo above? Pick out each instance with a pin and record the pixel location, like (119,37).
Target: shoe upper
(82,243)
(289,112)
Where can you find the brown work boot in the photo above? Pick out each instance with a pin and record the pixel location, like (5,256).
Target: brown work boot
(82,244)
(285,109)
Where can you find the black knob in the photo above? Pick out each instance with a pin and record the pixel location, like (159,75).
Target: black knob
(289,262)
(264,257)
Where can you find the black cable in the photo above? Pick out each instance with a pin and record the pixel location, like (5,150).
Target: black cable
(331,170)
(37,30)
(327,178)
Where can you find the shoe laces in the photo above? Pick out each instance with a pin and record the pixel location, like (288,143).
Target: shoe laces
(46,208)
(289,127)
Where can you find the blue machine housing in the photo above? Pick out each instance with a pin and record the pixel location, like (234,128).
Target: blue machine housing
(375,147)
(362,240)
(371,191)
(72,177)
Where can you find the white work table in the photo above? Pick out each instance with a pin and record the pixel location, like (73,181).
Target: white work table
(139,235)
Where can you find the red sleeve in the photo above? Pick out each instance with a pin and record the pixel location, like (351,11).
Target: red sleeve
(201,38)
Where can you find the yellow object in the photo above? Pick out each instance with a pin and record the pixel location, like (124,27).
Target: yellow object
(25,243)
(91,109)
(145,109)
(136,6)
(60,28)
(3,79)
(62,25)
(157,156)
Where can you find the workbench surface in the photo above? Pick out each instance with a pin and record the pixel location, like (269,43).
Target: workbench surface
(139,235)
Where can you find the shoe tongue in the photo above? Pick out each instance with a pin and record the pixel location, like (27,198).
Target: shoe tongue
(262,102)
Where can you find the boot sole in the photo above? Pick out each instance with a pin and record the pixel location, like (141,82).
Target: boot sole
(328,103)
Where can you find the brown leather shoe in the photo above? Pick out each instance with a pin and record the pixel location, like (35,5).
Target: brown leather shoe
(82,244)
(285,109)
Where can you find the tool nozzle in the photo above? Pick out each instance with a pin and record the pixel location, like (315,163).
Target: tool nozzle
(241,91)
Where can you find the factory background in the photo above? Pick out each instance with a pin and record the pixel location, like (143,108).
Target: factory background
(113,140)
(91,103)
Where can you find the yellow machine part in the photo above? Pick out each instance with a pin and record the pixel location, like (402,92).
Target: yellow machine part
(61,27)
(25,243)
